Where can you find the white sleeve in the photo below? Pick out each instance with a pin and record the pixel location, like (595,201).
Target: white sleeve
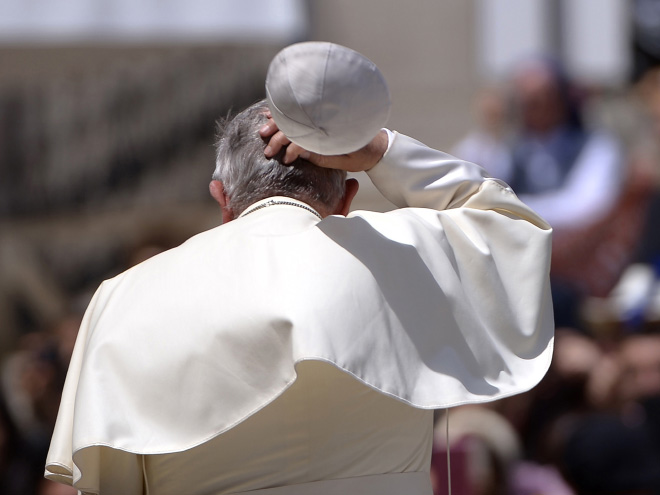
(412,174)
(489,255)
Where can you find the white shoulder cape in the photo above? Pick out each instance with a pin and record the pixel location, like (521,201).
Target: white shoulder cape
(443,302)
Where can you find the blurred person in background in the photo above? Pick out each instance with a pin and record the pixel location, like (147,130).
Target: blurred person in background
(17,467)
(30,297)
(642,308)
(614,445)
(540,417)
(633,305)
(571,174)
(486,457)
(484,449)
(595,415)
(588,427)
(645,36)
(488,144)
(47,487)
(32,379)
(568,172)
(639,387)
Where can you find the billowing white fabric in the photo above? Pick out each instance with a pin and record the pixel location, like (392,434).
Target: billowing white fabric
(442,302)
(326,426)
(327,98)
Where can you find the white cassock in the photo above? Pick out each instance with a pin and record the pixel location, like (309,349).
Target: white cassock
(284,355)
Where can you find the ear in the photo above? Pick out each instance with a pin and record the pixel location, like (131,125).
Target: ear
(352,186)
(217,190)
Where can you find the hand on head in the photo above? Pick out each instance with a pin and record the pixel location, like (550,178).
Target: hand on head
(360,160)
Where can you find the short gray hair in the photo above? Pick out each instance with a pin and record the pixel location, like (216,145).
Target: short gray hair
(248,176)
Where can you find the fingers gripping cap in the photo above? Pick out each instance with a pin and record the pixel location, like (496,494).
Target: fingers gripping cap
(327,98)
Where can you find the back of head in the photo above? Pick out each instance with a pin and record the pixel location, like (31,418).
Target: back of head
(546,96)
(249,176)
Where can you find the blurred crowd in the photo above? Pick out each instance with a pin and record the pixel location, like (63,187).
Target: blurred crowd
(590,164)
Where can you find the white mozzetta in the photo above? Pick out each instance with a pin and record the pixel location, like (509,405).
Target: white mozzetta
(443,302)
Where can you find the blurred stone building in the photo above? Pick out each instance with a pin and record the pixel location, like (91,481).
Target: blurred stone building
(107,116)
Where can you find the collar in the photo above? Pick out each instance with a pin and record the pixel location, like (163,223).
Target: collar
(279,201)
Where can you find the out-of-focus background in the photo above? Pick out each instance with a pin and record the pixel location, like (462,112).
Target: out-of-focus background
(107,113)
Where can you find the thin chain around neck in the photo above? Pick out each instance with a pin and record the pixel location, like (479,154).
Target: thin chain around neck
(272,202)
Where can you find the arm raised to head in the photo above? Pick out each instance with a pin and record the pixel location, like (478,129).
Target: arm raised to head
(361,160)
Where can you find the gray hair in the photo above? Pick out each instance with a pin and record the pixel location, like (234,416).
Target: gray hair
(248,176)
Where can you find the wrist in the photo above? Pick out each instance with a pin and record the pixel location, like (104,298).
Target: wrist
(377,148)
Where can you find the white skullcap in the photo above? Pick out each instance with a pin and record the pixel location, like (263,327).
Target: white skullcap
(327,98)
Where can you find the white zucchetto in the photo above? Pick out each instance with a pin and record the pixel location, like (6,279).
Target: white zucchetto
(327,98)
